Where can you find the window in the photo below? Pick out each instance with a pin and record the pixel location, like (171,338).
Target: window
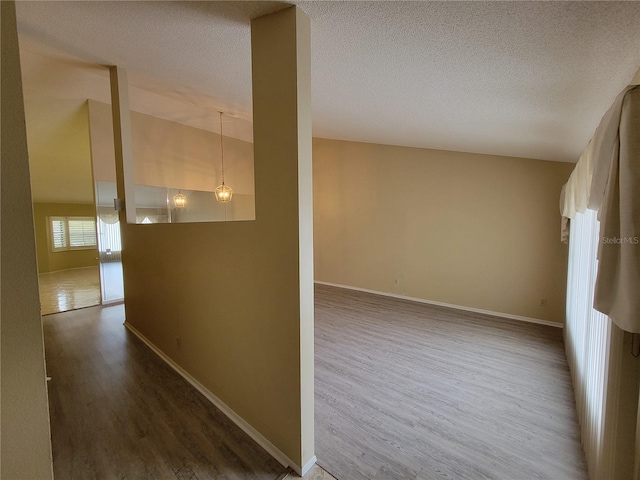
(72,233)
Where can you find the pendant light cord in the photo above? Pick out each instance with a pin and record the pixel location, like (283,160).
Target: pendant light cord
(221,148)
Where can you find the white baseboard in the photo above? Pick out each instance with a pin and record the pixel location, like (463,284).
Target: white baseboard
(274,451)
(307,466)
(441,304)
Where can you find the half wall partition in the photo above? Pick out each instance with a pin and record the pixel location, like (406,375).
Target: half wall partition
(169,159)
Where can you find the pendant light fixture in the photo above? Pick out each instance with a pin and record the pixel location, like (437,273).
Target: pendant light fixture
(180,200)
(223,192)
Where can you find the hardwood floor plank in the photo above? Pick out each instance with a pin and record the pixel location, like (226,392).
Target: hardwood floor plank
(118,411)
(414,391)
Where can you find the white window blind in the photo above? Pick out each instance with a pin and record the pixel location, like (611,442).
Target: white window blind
(72,233)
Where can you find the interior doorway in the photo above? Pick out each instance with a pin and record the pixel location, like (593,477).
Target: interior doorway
(67,255)
(78,254)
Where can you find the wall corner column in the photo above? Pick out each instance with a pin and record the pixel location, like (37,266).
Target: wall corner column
(281,61)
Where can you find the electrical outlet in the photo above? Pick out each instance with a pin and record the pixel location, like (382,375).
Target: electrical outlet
(543,302)
(396,281)
(178,342)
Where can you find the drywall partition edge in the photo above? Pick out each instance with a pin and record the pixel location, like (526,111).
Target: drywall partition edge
(305,218)
(122,142)
(24,427)
(223,300)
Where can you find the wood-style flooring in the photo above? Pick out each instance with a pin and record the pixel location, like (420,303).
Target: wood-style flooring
(69,289)
(403,391)
(316,473)
(119,412)
(413,391)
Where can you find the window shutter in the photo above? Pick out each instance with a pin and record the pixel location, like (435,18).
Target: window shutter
(58,233)
(82,233)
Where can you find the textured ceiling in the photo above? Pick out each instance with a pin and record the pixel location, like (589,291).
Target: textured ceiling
(527,79)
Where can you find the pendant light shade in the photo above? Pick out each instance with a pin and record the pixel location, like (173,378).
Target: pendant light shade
(223,192)
(180,200)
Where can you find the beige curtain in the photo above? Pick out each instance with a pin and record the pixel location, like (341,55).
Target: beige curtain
(617,291)
(607,179)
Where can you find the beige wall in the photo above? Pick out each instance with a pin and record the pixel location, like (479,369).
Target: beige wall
(168,154)
(49,261)
(472,230)
(24,426)
(59,155)
(239,295)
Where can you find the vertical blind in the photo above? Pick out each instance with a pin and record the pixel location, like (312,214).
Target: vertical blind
(110,241)
(592,343)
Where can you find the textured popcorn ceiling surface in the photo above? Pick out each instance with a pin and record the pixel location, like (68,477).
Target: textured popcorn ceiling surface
(527,79)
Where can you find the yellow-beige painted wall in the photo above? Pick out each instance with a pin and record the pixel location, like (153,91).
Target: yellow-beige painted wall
(49,261)
(465,229)
(24,419)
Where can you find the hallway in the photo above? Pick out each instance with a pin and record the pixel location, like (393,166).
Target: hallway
(118,411)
